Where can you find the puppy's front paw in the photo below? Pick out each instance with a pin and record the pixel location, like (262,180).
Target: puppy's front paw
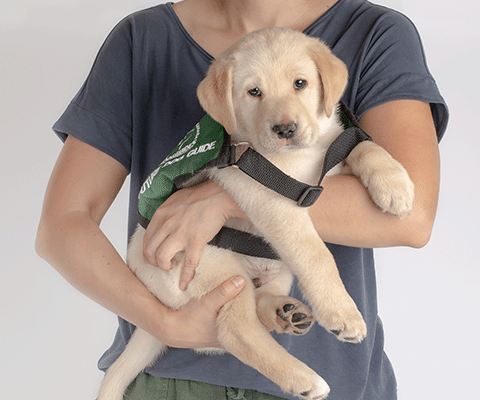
(385,178)
(392,190)
(347,327)
(340,316)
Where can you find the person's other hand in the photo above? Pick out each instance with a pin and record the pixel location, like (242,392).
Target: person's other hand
(194,324)
(187,221)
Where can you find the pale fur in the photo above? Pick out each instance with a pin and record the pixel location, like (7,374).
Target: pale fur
(271,60)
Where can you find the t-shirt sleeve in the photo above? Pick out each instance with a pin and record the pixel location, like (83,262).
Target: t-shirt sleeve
(395,68)
(101,112)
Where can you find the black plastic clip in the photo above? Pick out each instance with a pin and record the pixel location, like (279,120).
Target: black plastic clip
(309,196)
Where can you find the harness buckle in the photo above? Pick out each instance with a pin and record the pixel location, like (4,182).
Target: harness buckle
(235,154)
(309,196)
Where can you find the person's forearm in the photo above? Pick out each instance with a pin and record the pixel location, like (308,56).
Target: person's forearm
(345,214)
(77,248)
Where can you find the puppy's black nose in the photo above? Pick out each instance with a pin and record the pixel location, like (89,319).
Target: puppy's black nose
(285,131)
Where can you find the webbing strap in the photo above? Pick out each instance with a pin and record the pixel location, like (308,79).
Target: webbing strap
(263,171)
(243,243)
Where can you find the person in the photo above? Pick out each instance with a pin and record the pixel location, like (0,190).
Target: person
(135,106)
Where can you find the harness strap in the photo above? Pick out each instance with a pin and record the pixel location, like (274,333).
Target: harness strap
(244,243)
(263,171)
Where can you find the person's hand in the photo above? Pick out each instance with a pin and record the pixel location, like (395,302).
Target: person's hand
(194,324)
(187,221)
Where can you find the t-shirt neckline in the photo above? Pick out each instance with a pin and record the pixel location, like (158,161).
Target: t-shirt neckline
(209,56)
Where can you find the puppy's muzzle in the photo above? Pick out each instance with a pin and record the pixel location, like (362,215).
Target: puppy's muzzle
(285,131)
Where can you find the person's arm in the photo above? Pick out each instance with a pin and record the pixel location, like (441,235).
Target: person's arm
(84,183)
(343,214)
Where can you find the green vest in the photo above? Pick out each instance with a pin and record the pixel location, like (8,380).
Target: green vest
(200,146)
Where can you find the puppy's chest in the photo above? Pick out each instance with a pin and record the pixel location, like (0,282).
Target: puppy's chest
(303,165)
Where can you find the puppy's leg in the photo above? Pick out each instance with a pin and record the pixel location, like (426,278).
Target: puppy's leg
(280,312)
(387,181)
(289,229)
(320,282)
(292,234)
(141,351)
(242,334)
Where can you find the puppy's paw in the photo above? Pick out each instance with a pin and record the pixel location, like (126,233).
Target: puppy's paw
(344,321)
(386,179)
(320,390)
(294,318)
(284,314)
(392,190)
(304,383)
(350,329)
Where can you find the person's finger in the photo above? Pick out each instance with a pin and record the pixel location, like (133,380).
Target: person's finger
(192,258)
(166,252)
(160,234)
(151,242)
(228,290)
(188,273)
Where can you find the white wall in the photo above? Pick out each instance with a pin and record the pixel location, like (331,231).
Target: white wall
(52,336)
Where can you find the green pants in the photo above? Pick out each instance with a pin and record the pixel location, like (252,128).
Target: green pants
(147,387)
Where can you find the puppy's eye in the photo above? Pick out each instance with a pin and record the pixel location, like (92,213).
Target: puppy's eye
(255,92)
(300,84)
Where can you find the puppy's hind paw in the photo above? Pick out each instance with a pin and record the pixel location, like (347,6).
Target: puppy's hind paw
(284,314)
(320,391)
(295,318)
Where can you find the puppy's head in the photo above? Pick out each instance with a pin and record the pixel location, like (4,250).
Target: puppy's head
(274,88)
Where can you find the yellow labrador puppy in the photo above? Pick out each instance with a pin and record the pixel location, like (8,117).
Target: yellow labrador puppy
(278,90)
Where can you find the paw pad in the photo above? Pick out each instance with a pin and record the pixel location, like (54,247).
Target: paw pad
(293,320)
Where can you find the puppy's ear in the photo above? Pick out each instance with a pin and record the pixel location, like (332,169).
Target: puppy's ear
(215,94)
(333,75)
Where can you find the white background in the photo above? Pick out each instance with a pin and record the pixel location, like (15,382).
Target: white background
(52,336)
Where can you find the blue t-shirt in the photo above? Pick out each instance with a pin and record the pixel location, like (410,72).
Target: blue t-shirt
(139,101)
